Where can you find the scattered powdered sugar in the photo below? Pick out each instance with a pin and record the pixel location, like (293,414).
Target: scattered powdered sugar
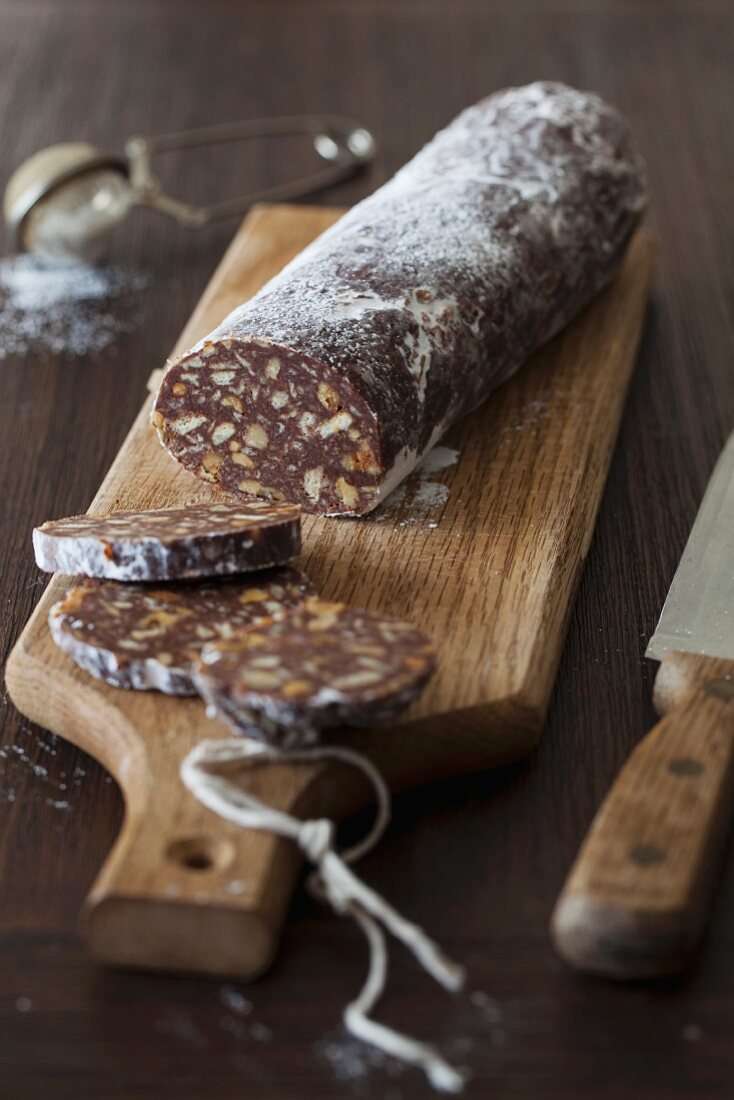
(238,1024)
(37,754)
(486,1006)
(529,418)
(261,1033)
(481,1024)
(179,1026)
(234,1027)
(63,306)
(353,1062)
(418,500)
(479,1019)
(235,1001)
(430,496)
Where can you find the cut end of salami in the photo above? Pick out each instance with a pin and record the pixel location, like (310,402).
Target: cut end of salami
(331,384)
(277,424)
(147,637)
(204,540)
(325,665)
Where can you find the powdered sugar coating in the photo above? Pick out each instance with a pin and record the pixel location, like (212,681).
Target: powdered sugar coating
(425,296)
(203,540)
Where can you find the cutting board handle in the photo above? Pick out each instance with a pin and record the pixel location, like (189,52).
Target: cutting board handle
(171,894)
(185,890)
(181,889)
(635,901)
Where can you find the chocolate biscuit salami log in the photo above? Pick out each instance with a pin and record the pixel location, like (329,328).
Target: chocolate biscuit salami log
(204,540)
(143,637)
(325,665)
(329,386)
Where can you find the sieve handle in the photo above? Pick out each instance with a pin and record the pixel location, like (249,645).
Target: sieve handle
(342,143)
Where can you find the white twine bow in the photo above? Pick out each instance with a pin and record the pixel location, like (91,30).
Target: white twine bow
(336,883)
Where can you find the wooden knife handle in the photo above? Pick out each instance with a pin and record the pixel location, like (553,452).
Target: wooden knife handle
(636,898)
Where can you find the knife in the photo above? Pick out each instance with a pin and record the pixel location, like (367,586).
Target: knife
(635,902)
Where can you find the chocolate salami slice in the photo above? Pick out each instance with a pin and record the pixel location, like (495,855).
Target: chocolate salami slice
(143,636)
(330,384)
(203,540)
(325,665)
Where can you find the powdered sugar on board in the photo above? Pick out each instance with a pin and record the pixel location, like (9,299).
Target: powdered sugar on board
(356,1065)
(419,500)
(58,306)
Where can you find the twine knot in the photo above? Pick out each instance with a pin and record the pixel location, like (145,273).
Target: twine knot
(316,838)
(335,883)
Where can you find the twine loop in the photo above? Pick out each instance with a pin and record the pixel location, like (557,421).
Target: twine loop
(334,882)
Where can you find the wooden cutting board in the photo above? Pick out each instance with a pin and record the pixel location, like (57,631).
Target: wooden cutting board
(491,574)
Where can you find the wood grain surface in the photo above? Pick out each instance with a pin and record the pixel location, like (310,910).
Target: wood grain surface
(491,575)
(480,861)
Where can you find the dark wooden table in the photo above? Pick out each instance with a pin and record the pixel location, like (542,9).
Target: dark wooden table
(480,861)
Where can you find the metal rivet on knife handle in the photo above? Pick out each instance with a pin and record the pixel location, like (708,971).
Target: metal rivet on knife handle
(722,689)
(684,766)
(645,854)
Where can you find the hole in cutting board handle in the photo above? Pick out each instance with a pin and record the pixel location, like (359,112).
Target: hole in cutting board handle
(200,853)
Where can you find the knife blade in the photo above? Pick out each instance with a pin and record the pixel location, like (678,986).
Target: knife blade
(698,614)
(636,899)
